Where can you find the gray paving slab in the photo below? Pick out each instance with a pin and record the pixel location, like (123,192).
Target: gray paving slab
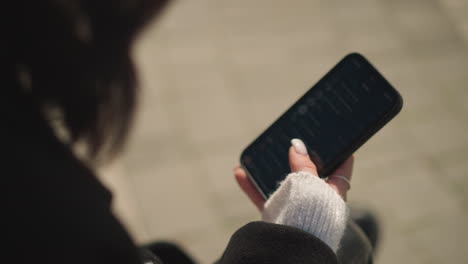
(170,202)
(415,208)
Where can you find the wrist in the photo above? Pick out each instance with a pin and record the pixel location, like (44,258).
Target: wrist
(307,202)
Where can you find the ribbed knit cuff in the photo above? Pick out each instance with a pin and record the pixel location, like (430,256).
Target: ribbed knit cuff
(307,202)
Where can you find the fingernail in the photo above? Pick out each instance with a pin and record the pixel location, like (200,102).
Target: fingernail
(299,146)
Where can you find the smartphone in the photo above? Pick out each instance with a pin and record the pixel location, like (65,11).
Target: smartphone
(334,118)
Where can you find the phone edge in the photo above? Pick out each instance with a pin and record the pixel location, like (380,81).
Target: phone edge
(253,181)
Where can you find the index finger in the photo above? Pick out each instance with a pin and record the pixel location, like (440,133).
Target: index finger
(247,186)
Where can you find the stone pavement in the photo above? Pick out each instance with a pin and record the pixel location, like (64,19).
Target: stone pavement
(216,73)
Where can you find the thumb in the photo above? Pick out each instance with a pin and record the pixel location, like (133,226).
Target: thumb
(299,160)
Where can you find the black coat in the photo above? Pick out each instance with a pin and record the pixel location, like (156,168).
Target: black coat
(56,211)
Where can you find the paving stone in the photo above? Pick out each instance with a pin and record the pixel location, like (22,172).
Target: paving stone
(403,186)
(412,206)
(226,195)
(208,111)
(169,200)
(439,130)
(452,172)
(425,239)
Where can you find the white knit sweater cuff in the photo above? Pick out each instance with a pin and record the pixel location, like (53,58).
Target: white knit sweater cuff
(307,202)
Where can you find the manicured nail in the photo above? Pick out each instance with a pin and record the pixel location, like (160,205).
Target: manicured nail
(299,146)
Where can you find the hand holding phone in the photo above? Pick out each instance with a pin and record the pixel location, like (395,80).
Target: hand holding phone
(297,162)
(334,118)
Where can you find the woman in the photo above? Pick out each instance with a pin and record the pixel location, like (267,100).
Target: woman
(68,80)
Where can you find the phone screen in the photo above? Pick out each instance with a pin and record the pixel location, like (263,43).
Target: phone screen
(334,118)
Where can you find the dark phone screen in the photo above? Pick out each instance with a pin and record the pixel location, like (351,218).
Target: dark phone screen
(333,119)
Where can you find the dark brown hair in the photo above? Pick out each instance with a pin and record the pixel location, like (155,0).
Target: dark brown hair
(73,58)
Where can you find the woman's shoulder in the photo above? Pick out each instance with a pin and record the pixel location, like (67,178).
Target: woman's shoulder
(54,206)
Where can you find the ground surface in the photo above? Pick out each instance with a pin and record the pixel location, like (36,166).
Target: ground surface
(215,73)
